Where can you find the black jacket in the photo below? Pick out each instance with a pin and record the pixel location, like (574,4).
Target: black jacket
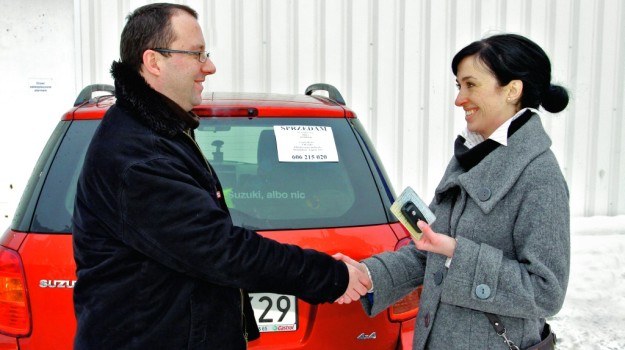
(159,263)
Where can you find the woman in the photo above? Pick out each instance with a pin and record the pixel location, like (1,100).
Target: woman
(500,242)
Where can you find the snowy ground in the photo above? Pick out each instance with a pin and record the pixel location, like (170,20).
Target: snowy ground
(593,314)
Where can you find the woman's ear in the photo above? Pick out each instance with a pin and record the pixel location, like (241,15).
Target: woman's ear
(515,91)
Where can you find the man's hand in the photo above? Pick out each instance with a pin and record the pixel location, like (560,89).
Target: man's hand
(359,282)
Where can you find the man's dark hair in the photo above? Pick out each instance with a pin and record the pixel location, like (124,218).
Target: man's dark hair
(515,57)
(148,27)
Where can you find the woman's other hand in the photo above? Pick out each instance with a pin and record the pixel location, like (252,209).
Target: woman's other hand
(434,242)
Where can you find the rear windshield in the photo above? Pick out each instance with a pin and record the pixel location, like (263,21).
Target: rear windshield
(291,173)
(278,173)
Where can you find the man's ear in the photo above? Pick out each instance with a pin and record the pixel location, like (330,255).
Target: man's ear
(151,62)
(515,90)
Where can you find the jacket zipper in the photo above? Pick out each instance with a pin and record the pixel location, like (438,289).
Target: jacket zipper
(243,323)
(197,148)
(208,167)
(243,317)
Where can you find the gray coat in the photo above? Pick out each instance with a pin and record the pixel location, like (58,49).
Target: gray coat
(510,217)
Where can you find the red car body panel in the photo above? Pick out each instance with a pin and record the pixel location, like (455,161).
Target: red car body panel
(49,265)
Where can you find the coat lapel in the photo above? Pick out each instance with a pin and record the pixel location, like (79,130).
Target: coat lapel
(489,181)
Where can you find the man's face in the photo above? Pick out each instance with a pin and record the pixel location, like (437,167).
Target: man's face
(182,75)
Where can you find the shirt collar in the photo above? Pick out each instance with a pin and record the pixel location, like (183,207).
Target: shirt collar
(500,135)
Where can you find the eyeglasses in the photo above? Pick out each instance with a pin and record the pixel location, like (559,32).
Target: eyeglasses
(202,56)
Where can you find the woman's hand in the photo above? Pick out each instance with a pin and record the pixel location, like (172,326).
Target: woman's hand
(434,242)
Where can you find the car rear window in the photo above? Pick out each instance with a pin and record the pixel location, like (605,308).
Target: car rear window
(307,188)
(262,192)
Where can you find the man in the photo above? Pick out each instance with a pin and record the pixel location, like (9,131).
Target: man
(159,262)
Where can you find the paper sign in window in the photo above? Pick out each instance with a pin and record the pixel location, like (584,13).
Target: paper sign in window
(305,143)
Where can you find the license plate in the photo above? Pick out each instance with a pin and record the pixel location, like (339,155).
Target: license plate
(274,312)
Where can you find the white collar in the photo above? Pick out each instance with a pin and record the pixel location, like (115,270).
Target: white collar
(500,135)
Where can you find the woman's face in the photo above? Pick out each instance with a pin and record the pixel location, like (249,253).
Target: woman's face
(485,103)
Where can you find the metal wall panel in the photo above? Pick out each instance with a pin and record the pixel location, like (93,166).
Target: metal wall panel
(391,60)
(37,72)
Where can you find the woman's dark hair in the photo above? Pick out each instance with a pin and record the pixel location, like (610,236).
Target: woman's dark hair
(514,57)
(148,27)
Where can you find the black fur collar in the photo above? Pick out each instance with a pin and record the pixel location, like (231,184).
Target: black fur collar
(152,108)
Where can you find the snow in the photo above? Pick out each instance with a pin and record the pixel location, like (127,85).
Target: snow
(593,314)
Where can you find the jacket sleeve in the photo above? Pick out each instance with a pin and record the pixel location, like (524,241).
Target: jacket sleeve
(530,282)
(178,222)
(394,275)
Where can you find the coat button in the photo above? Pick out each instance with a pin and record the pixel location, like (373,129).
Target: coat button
(483,194)
(426,320)
(438,278)
(482,291)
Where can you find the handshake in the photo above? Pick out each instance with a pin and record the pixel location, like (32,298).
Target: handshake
(359,281)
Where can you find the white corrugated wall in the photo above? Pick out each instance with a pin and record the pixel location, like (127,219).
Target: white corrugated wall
(391,61)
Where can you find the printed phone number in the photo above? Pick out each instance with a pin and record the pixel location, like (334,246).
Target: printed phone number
(309,157)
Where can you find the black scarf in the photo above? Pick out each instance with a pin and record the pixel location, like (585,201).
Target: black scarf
(152,108)
(468,158)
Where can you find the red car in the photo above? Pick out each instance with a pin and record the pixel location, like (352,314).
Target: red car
(297,168)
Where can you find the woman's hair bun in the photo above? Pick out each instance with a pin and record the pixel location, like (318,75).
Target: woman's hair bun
(555,99)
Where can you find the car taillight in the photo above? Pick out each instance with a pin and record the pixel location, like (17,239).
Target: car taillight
(408,307)
(14,308)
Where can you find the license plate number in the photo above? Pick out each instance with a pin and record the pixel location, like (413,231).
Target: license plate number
(274,312)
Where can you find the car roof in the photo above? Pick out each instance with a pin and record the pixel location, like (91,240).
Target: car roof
(236,104)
